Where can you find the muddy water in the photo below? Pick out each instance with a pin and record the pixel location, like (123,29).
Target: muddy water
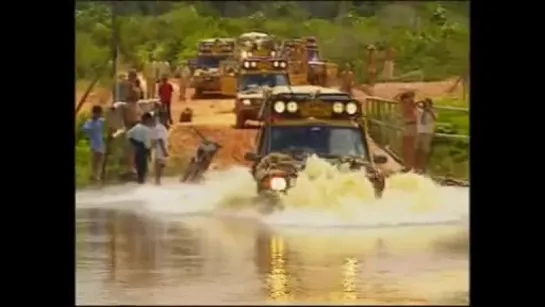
(178,244)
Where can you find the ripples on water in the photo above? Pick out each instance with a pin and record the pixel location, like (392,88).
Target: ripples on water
(189,244)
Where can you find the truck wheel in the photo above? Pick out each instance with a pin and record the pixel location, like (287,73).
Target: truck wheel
(240,122)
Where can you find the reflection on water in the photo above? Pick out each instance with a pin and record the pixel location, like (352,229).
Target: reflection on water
(124,258)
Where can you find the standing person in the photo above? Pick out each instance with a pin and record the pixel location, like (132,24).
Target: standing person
(425,127)
(371,65)
(94,128)
(140,137)
(347,79)
(149,77)
(131,113)
(388,70)
(165,95)
(185,74)
(121,88)
(133,95)
(163,69)
(160,138)
(408,108)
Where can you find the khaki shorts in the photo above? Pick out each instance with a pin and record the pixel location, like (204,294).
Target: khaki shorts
(423,142)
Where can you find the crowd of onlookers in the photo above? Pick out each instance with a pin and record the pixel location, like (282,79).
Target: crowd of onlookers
(149,130)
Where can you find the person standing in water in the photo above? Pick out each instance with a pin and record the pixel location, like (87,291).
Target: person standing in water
(94,128)
(140,137)
(160,139)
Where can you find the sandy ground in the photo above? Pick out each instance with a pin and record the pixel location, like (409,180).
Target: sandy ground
(215,119)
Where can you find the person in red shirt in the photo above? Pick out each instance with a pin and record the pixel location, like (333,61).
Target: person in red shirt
(165,95)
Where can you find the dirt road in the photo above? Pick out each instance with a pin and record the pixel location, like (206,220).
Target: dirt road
(215,119)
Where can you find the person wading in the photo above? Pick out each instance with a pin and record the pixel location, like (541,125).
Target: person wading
(140,137)
(160,139)
(94,128)
(408,108)
(425,126)
(165,96)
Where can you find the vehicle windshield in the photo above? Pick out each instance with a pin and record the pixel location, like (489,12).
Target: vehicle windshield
(313,55)
(319,139)
(210,61)
(248,81)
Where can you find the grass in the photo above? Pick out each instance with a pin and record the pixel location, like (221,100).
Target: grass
(450,157)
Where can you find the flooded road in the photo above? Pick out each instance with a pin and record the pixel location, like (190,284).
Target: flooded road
(149,245)
(123,258)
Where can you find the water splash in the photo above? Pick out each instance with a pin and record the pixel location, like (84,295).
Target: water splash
(323,197)
(326,196)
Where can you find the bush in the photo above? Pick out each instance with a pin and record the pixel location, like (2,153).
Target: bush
(425,36)
(449,156)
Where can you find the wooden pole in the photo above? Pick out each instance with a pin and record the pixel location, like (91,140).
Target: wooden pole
(114,88)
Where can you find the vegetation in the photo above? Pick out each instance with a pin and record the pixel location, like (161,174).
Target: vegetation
(451,156)
(431,37)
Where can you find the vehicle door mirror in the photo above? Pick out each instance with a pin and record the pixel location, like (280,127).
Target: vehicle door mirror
(380,159)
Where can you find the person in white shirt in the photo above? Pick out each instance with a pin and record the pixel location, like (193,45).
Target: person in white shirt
(140,137)
(160,139)
(425,127)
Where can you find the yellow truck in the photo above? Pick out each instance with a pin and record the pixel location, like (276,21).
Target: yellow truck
(306,65)
(256,44)
(320,72)
(255,76)
(206,78)
(302,121)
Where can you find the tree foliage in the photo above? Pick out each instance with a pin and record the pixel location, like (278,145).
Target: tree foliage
(429,36)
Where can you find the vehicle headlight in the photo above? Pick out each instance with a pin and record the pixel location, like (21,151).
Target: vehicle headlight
(338,107)
(279,107)
(246,64)
(278,184)
(246,102)
(351,108)
(253,64)
(276,64)
(283,64)
(292,106)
